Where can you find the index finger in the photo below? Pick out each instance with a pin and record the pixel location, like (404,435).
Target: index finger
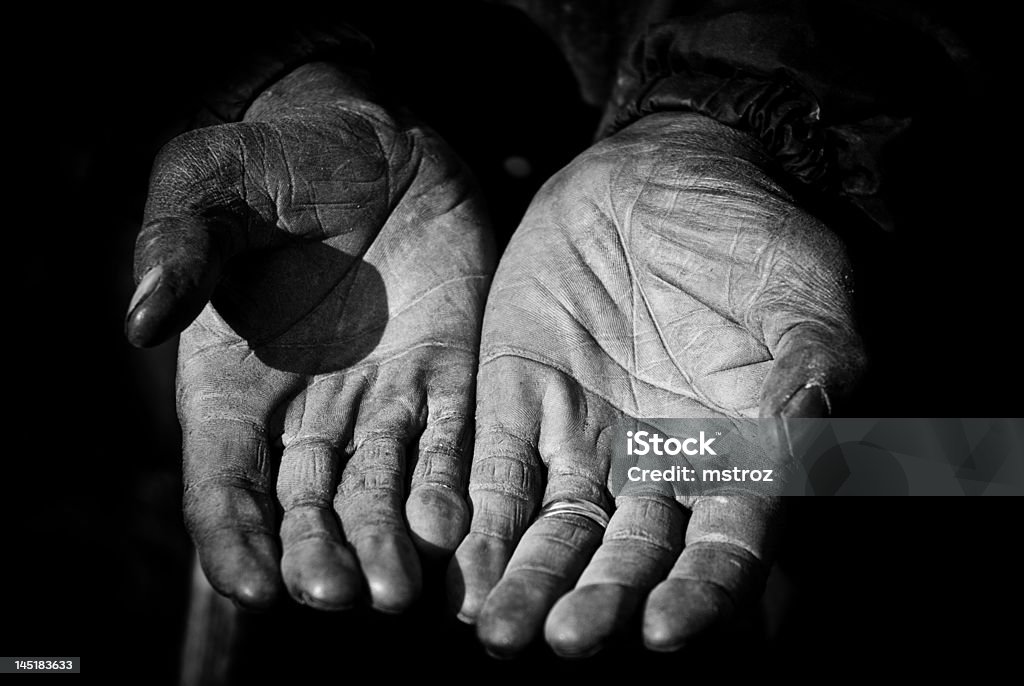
(229,503)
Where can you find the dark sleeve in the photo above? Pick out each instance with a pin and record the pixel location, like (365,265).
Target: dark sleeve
(271,54)
(828,87)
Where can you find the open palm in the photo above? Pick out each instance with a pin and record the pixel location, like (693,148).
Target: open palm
(329,261)
(663,273)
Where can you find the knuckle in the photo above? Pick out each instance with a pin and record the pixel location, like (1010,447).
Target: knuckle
(370,478)
(511,474)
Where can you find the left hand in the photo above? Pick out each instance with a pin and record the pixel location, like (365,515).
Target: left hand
(663,273)
(326,261)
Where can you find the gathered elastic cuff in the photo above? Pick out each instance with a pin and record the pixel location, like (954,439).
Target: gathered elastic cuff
(826,89)
(777,110)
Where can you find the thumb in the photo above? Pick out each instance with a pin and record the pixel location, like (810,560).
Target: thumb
(177,265)
(809,329)
(814,366)
(195,219)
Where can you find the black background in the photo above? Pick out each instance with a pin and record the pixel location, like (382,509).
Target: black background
(93,551)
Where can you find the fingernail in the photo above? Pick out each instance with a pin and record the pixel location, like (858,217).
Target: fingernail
(809,401)
(146,287)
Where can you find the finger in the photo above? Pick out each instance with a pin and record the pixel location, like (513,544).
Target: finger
(195,219)
(371,497)
(506,479)
(811,364)
(505,488)
(369,502)
(229,510)
(643,539)
(556,548)
(177,268)
(720,572)
(318,568)
(437,510)
(225,396)
(806,321)
(546,563)
(814,367)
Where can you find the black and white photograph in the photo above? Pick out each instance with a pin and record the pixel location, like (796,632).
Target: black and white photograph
(529,341)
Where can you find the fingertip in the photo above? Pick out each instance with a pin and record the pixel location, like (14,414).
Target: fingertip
(438,519)
(392,597)
(392,571)
(680,610)
(660,638)
(568,641)
(810,400)
(327,594)
(162,312)
(566,635)
(253,583)
(183,270)
(145,322)
(512,616)
(455,590)
(256,593)
(322,574)
(581,622)
(501,641)
(475,569)
(243,567)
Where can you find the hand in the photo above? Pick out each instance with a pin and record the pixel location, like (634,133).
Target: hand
(663,273)
(328,260)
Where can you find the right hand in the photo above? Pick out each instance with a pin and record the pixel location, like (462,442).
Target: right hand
(663,273)
(327,263)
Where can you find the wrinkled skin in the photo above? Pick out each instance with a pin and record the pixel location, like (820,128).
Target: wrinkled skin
(328,261)
(663,273)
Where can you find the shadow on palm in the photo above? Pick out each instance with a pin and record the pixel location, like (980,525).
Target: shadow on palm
(333,261)
(305,308)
